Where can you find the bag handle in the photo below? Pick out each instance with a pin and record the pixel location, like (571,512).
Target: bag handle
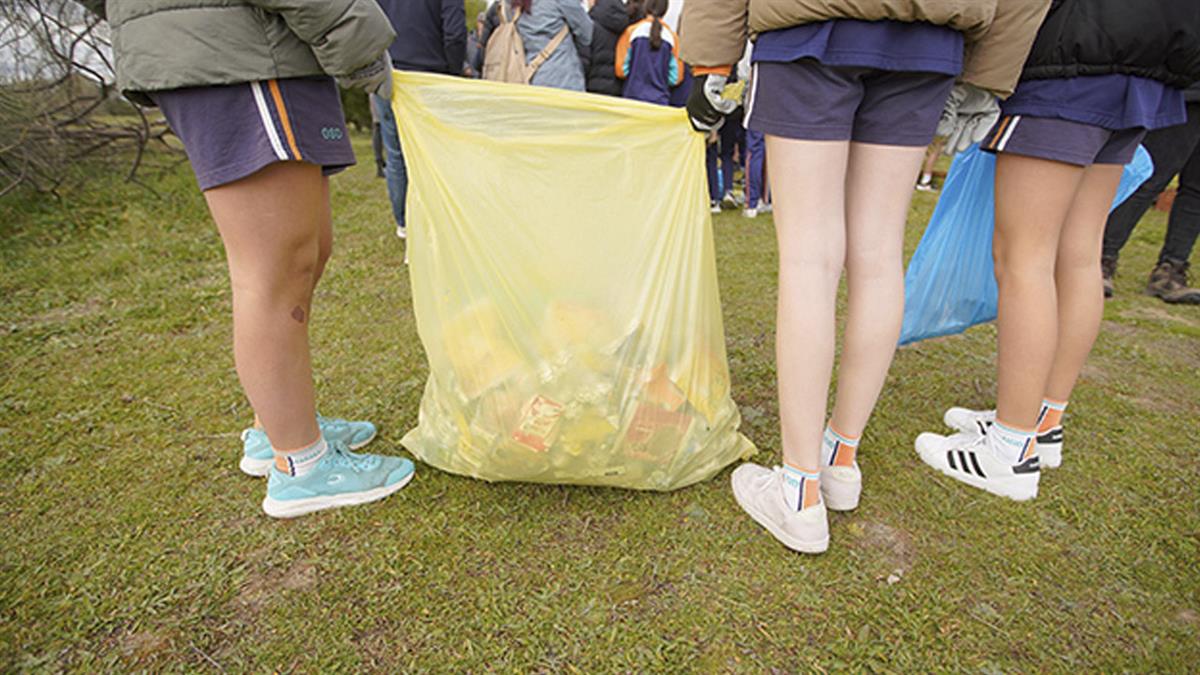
(504,13)
(543,55)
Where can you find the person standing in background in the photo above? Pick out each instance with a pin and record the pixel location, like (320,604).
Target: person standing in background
(925,182)
(431,37)
(610,18)
(754,165)
(538,24)
(1175,150)
(376,140)
(647,57)
(474,66)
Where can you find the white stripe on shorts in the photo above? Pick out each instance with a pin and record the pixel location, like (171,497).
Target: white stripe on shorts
(265,113)
(753,94)
(1008,133)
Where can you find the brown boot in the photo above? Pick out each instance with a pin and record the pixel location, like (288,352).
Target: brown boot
(1108,269)
(1169,282)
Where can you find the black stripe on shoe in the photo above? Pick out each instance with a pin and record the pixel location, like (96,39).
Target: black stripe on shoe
(975,465)
(1030,465)
(1054,435)
(950,459)
(962,462)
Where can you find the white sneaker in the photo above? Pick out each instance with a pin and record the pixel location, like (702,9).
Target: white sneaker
(1050,447)
(765,207)
(749,213)
(758,491)
(714,207)
(968,458)
(730,201)
(401,232)
(967,421)
(841,486)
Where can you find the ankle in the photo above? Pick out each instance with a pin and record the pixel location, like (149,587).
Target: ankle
(800,488)
(302,460)
(1011,444)
(838,449)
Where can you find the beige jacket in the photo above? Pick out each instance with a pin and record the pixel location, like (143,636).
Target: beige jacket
(998,33)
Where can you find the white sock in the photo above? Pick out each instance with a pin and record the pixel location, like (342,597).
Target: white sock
(299,462)
(926,179)
(1011,445)
(835,446)
(800,488)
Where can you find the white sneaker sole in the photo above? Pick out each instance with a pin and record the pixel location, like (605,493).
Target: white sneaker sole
(1049,455)
(799,545)
(259,468)
(292,508)
(1017,489)
(840,494)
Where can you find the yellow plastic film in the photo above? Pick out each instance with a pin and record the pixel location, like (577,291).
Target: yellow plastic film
(564,286)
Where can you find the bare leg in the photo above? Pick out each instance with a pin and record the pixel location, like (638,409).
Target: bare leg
(1033,197)
(811,229)
(1080,288)
(271,224)
(878,192)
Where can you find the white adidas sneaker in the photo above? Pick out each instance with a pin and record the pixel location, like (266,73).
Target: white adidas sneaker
(968,458)
(967,421)
(758,491)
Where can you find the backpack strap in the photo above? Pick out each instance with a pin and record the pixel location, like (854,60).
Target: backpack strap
(552,45)
(504,13)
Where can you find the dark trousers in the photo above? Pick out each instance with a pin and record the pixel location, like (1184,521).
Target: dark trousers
(1175,150)
(723,151)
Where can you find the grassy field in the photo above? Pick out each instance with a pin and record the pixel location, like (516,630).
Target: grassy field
(131,541)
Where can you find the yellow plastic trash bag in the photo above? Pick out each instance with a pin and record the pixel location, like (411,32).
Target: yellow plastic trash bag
(564,286)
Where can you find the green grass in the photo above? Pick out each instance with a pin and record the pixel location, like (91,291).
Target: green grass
(131,541)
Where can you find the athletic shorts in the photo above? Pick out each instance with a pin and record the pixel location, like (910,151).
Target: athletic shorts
(1062,140)
(806,100)
(231,131)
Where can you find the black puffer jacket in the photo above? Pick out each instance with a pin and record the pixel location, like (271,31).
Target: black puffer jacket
(1158,39)
(610,18)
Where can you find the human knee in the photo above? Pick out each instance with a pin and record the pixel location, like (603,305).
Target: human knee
(824,265)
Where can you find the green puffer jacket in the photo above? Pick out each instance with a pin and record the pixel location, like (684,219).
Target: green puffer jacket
(167,44)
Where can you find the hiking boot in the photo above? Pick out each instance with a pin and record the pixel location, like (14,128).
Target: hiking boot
(1169,283)
(1108,270)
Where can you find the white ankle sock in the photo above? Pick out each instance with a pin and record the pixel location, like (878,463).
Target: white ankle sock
(1010,444)
(299,462)
(801,489)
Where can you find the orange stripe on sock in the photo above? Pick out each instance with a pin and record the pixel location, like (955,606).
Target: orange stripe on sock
(283,118)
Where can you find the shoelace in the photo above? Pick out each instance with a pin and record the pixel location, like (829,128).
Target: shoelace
(342,456)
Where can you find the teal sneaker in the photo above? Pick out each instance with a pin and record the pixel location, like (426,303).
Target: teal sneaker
(257,455)
(341,478)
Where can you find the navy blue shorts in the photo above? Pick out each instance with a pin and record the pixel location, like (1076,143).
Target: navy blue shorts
(807,100)
(1062,140)
(231,131)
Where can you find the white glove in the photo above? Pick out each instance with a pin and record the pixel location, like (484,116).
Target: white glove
(705,107)
(375,78)
(969,114)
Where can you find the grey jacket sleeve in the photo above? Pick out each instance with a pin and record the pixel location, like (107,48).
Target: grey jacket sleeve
(580,24)
(345,35)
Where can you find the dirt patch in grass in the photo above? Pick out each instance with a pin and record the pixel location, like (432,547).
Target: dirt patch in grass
(259,588)
(1155,312)
(65,314)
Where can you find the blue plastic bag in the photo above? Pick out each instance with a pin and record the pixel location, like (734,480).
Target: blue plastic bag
(951,282)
